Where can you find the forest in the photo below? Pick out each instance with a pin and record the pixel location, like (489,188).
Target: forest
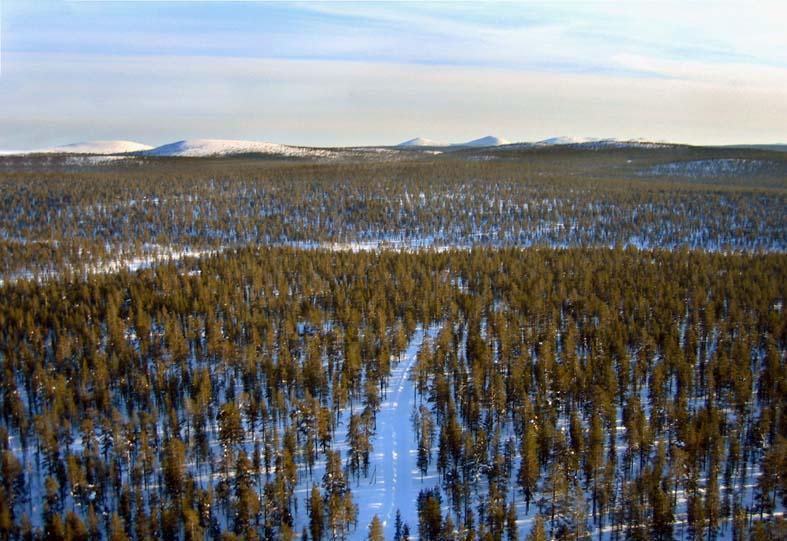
(500,344)
(565,393)
(56,217)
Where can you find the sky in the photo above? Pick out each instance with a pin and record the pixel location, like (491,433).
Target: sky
(357,73)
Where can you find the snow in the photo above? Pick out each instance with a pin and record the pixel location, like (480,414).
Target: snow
(151,256)
(422,142)
(393,481)
(89,147)
(488,141)
(96,160)
(708,168)
(99,147)
(566,140)
(395,441)
(227,147)
(156,254)
(593,143)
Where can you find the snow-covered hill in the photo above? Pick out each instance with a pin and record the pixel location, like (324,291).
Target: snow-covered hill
(97,147)
(227,147)
(422,142)
(593,143)
(565,140)
(488,141)
(231,147)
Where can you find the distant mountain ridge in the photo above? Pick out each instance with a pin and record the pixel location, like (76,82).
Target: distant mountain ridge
(422,142)
(487,141)
(776,147)
(94,147)
(228,147)
(494,141)
(566,140)
(594,143)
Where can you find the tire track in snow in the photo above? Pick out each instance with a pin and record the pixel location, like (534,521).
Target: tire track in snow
(396,441)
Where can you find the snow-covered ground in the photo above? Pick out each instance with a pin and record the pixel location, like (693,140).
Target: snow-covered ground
(397,480)
(393,481)
(375,245)
(724,167)
(152,255)
(157,254)
(96,160)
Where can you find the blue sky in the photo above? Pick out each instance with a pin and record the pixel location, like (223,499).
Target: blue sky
(377,73)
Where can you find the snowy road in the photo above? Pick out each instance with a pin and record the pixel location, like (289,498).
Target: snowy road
(394,481)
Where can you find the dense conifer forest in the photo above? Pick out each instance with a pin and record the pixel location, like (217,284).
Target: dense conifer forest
(564,349)
(57,217)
